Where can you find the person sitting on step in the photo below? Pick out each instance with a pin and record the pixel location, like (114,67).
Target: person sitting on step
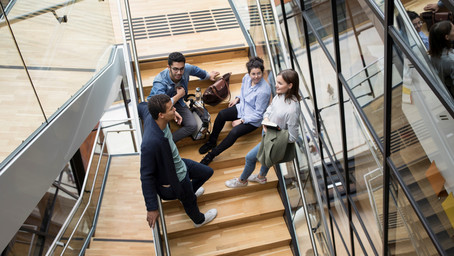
(173,81)
(245,111)
(283,111)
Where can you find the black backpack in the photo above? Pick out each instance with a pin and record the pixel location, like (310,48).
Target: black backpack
(202,117)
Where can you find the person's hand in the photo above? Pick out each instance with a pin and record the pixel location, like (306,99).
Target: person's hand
(264,127)
(234,102)
(178,118)
(213,75)
(236,122)
(180,92)
(432,7)
(151,218)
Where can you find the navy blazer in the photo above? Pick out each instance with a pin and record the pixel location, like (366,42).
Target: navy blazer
(156,162)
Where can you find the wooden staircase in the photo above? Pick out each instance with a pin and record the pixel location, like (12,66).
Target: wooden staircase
(250,219)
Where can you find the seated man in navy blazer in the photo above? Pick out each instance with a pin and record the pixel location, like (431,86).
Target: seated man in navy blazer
(162,170)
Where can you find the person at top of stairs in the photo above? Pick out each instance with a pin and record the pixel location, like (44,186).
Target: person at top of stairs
(284,112)
(162,170)
(245,111)
(173,81)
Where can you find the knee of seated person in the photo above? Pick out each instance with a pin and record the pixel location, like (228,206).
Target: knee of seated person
(251,157)
(191,128)
(235,133)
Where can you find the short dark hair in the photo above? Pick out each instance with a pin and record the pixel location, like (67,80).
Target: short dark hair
(291,76)
(437,38)
(254,62)
(157,104)
(412,15)
(176,57)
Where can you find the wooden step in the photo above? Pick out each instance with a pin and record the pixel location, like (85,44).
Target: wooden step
(279,251)
(117,248)
(233,156)
(189,142)
(234,210)
(215,187)
(196,57)
(235,65)
(251,237)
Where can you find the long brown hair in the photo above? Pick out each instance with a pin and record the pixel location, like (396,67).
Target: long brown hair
(291,77)
(437,38)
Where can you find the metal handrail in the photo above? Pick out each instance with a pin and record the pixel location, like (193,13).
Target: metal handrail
(155,230)
(76,205)
(267,42)
(91,192)
(82,193)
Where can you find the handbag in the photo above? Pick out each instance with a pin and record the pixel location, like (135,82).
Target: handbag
(218,91)
(431,18)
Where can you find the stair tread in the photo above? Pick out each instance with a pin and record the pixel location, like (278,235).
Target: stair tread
(120,248)
(236,240)
(215,187)
(235,209)
(278,251)
(233,156)
(234,65)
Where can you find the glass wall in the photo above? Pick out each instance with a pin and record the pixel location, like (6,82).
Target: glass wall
(49,51)
(397,101)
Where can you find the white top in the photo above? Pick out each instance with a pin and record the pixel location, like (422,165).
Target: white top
(285,114)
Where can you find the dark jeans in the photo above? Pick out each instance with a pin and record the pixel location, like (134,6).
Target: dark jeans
(188,125)
(228,114)
(196,176)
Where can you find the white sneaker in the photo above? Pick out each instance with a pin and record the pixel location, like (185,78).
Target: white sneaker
(199,192)
(235,183)
(255,178)
(209,216)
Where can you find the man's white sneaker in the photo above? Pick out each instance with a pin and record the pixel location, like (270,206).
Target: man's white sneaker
(255,178)
(209,216)
(199,192)
(235,183)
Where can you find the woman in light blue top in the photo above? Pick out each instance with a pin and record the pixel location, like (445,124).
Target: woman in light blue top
(245,111)
(283,111)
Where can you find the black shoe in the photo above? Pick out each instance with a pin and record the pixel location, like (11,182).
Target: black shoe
(206,147)
(207,159)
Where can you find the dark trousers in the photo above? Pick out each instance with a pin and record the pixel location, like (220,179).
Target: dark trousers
(228,114)
(196,176)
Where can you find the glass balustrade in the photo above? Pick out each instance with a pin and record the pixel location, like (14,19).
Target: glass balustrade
(50,50)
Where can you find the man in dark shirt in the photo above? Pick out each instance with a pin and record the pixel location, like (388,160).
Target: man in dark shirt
(162,170)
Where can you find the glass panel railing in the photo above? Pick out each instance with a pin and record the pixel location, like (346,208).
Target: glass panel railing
(307,215)
(278,49)
(367,87)
(319,13)
(413,40)
(406,234)
(257,18)
(360,42)
(74,232)
(20,110)
(63,47)
(422,149)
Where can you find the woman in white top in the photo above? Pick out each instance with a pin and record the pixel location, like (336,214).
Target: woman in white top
(283,111)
